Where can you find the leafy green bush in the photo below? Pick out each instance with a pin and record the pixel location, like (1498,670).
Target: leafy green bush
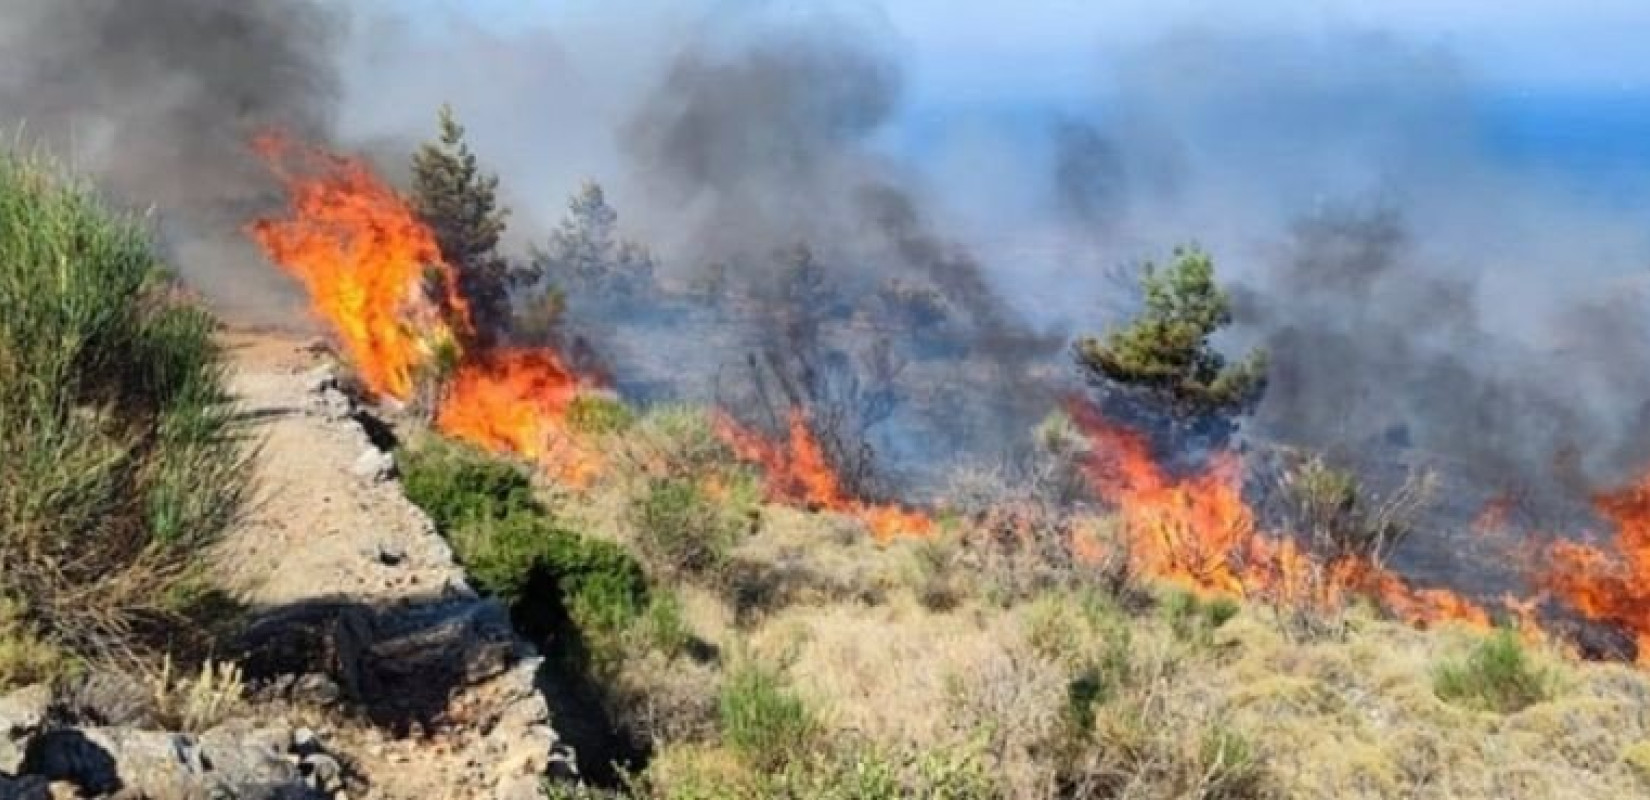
(510,543)
(662,628)
(454,483)
(1194,619)
(1496,676)
(763,721)
(682,529)
(120,454)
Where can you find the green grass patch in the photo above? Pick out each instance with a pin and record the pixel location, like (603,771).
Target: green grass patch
(764,721)
(121,456)
(1497,675)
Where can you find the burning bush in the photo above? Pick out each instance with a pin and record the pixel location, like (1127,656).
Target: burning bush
(120,454)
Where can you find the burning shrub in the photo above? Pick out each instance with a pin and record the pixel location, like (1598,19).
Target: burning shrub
(594,415)
(1328,508)
(1496,676)
(120,454)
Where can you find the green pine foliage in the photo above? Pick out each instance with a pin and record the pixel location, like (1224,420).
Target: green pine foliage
(1165,352)
(460,204)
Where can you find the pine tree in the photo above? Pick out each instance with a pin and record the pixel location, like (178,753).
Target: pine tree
(587,256)
(1161,369)
(460,204)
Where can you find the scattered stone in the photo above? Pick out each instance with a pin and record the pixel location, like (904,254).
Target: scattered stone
(334,405)
(322,773)
(391,555)
(373,465)
(237,759)
(22,715)
(305,742)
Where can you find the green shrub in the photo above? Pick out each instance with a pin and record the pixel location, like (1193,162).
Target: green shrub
(662,627)
(1229,767)
(679,441)
(1496,676)
(510,543)
(121,458)
(1194,619)
(680,528)
(762,720)
(455,483)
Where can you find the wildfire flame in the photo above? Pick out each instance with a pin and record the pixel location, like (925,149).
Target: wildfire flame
(797,472)
(1197,530)
(374,273)
(1606,588)
(366,261)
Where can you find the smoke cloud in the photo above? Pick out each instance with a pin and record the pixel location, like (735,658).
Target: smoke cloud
(1423,292)
(156,101)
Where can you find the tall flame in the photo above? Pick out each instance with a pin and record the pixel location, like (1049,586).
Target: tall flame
(1608,588)
(1198,530)
(366,261)
(798,472)
(375,274)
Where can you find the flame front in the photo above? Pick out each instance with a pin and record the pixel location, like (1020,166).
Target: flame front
(374,273)
(366,261)
(1606,588)
(797,472)
(1197,530)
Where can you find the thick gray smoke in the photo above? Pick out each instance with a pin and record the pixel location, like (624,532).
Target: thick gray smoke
(1421,296)
(765,145)
(157,100)
(1420,292)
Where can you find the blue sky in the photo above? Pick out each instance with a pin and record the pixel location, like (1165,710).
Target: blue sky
(959,48)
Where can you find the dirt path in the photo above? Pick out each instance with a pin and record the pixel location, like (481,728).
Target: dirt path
(317,528)
(450,708)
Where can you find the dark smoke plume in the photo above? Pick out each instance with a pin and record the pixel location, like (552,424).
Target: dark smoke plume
(156,100)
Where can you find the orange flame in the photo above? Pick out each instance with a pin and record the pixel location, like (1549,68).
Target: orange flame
(366,262)
(798,472)
(515,400)
(1606,588)
(1197,530)
(375,274)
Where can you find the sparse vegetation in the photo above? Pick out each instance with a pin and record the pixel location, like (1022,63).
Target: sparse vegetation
(1497,675)
(683,529)
(121,459)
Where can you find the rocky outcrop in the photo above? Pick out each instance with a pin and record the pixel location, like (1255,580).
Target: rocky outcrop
(238,760)
(362,610)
